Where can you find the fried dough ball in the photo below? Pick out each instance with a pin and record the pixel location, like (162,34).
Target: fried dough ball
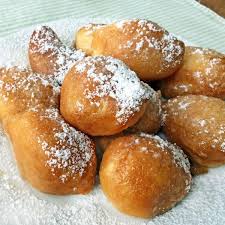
(143,175)
(51,155)
(102,96)
(48,55)
(20,90)
(148,49)
(197,124)
(202,72)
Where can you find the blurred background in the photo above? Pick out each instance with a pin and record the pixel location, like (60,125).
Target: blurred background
(216,5)
(21,13)
(196,20)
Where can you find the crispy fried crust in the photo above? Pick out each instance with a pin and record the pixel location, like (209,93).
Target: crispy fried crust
(51,155)
(22,90)
(144,46)
(48,55)
(202,72)
(197,124)
(140,177)
(40,165)
(41,52)
(91,102)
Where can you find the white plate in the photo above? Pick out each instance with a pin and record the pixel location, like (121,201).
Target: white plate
(21,205)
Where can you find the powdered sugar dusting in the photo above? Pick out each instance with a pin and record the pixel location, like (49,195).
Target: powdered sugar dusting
(184,105)
(72,150)
(30,89)
(45,41)
(143,36)
(117,81)
(203,72)
(223,146)
(20,203)
(180,159)
(213,64)
(207,123)
(22,206)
